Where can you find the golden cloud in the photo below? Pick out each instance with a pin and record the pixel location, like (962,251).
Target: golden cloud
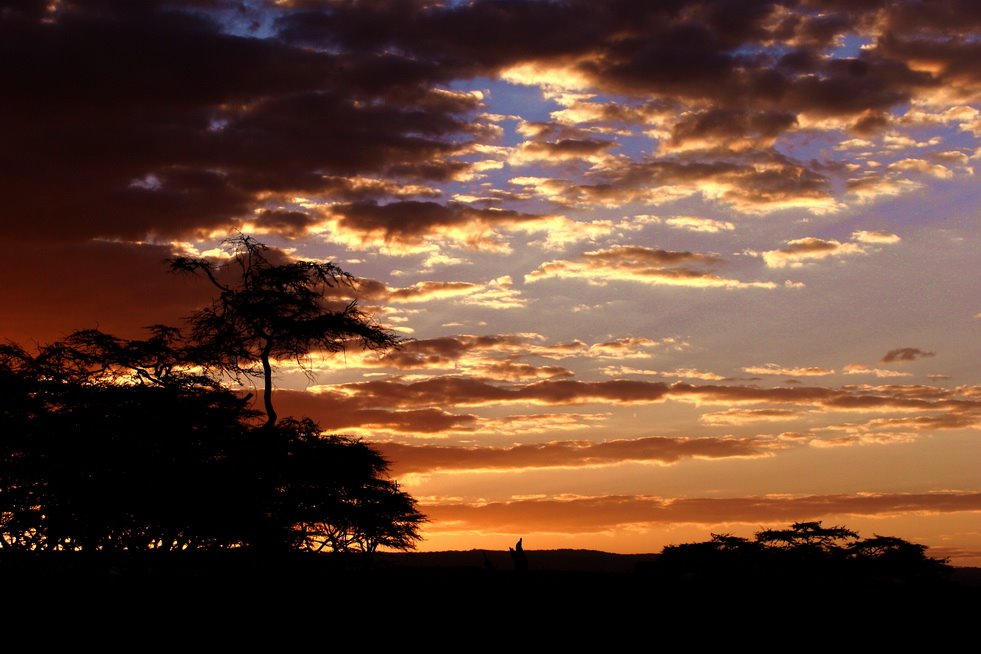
(696,224)
(748,416)
(776,369)
(805,250)
(862,369)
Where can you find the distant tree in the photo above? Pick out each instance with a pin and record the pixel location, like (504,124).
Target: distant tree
(807,539)
(268,310)
(806,550)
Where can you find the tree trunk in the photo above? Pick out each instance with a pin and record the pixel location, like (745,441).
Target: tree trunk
(267,391)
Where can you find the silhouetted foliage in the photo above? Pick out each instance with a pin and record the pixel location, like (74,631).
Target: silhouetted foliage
(115,445)
(336,497)
(104,452)
(268,310)
(805,551)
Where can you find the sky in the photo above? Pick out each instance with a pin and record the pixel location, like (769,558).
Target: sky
(664,269)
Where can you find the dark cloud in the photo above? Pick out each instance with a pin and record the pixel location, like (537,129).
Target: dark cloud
(905,354)
(135,119)
(128,122)
(334,413)
(730,129)
(410,220)
(465,391)
(459,391)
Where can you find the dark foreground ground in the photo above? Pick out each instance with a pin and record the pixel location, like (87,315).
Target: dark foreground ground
(564,595)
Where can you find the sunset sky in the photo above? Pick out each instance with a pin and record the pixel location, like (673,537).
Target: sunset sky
(671,268)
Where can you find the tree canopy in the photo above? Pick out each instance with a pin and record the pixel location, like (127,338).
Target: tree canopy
(116,445)
(267,309)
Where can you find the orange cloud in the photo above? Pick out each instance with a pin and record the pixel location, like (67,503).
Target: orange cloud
(748,416)
(590,514)
(428,458)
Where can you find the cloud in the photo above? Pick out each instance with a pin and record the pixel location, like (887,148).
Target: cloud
(804,250)
(862,369)
(590,514)
(905,354)
(687,373)
(948,421)
(863,236)
(692,373)
(493,294)
(748,416)
(243,117)
(758,182)
(474,392)
(493,356)
(428,458)
(633,347)
(921,166)
(696,224)
(728,129)
(776,369)
(562,150)
(519,372)
(227,121)
(335,412)
(641,264)
(408,226)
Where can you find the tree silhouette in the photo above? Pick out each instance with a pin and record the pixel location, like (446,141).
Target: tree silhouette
(111,445)
(270,310)
(337,498)
(104,455)
(121,446)
(805,551)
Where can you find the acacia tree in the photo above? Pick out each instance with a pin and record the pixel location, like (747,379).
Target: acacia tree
(337,496)
(270,310)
